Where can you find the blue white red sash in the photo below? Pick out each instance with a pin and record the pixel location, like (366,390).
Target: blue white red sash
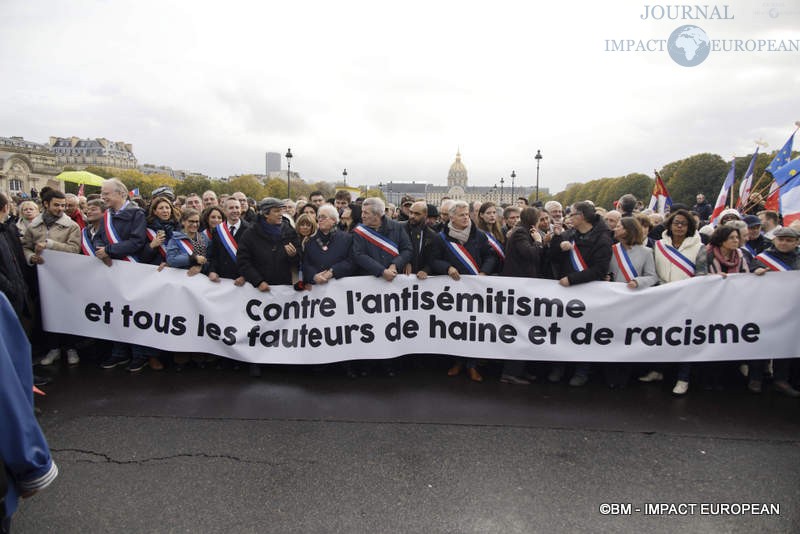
(111,233)
(151,234)
(624,262)
(380,241)
(227,239)
(575,257)
(496,246)
(86,243)
(187,246)
(676,258)
(207,231)
(463,255)
(772,262)
(749,248)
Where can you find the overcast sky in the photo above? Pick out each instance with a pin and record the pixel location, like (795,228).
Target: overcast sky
(390,90)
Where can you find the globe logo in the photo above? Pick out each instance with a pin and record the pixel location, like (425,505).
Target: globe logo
(688,46)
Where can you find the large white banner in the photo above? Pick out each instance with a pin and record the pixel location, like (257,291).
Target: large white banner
(706,318)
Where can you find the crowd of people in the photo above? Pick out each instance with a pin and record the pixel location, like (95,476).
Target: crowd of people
(311,241)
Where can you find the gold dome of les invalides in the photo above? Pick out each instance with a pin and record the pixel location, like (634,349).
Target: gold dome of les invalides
(458,173)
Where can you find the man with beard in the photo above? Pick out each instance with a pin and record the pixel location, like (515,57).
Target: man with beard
(425,244)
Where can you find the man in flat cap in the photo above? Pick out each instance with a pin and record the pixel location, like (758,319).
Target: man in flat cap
(267,251)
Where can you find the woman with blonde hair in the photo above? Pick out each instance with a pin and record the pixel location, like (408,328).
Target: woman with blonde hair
(28,210)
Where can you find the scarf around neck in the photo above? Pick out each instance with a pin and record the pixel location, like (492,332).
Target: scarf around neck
(459,235)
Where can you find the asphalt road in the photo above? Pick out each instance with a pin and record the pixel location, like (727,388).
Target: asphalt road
(298,451)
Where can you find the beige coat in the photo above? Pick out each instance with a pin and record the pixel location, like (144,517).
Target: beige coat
(666,270)
(63,235)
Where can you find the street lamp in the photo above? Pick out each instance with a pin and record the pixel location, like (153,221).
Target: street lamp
(344,176)
(538,158)
(513,176)
(289,173)
(502,181)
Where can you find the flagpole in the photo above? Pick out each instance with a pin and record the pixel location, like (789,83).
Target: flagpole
(764,188)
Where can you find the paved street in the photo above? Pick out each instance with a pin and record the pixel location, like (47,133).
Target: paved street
(298,451)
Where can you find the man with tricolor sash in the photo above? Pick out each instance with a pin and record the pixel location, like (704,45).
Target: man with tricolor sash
(225,244)
(123,229)
(466,251)
(583,253)
(781,256)
(381,246)
(122,236)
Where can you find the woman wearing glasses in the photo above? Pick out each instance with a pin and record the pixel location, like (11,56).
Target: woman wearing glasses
(675,254)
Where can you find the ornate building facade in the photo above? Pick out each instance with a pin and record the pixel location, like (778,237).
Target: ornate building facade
(457,188)
(25,165)
(100,152)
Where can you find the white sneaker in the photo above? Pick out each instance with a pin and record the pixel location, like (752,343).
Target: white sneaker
(652,376)
(681,387)
(51,356)
(72,357)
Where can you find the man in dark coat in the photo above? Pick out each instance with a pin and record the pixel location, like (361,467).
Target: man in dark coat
(224,244)
(381,247)
(460,236)
(426,246)
(267,252)
(122,236)
(702,208)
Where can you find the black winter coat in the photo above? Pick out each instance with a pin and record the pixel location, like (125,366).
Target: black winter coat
(263,258)
(219,260)
(524,256)
(594,246)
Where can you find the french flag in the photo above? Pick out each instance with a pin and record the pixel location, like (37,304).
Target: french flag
(719,207)
(747,182)
(788,177)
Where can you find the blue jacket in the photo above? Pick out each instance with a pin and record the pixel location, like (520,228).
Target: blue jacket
(23,447)
(337,257)
(177,256)
(130,225)
(374,260)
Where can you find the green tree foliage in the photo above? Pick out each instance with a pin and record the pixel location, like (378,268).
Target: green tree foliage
(701,173)
(249,185)
(194,184)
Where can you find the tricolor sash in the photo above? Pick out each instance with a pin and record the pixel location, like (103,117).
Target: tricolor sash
(749,248)
(86,243)
(111,233)
(575,257)
(151,234)
(380,241)
(187,246)
(207,231)
(624,262)
(676,258)
(772,262)
(463,255)
(496,246)
(227,239)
